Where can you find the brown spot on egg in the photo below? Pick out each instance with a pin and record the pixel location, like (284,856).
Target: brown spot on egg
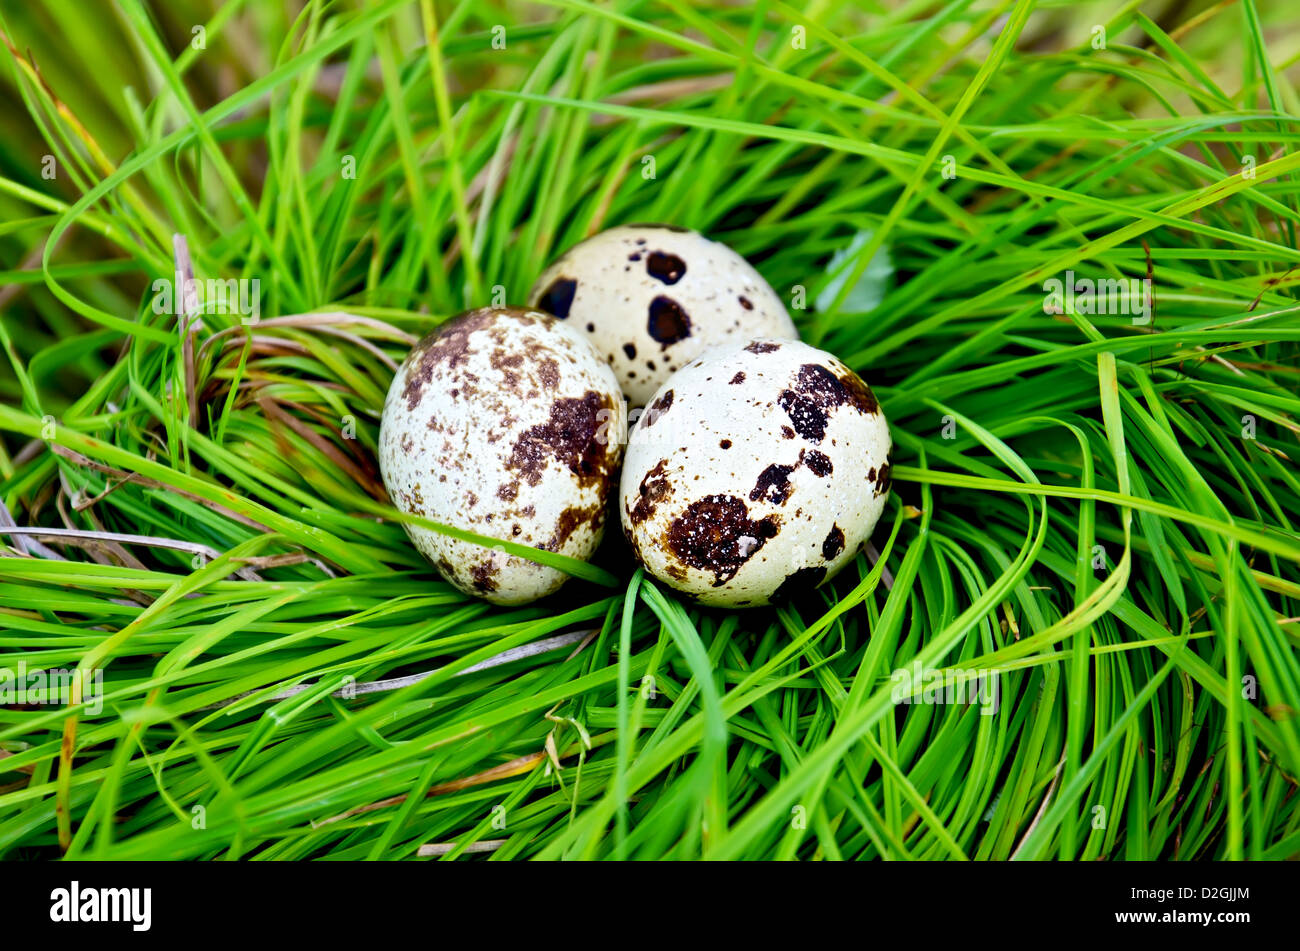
(508,364)
(815,393)
(787,432)
(819,383)
(715,534)
(808,418)
(745,302)
(484,576)
(805,579)
(818,462)
(448,344)
(738,378)
(884,479)
(762,346)
(725,444)
(668,322)
(656,409)
(570,520)
(773,485)
(834,543)
(548,372)
(558,298)
(654,488)
(630,350)
(664,267)
(571,436)
(859,393)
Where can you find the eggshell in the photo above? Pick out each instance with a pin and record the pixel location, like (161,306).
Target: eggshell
(755,472)
(509,424)
(653,297)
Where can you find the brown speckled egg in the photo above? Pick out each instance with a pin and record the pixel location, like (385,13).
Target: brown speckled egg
(509,424)
(756,471)
(654,297)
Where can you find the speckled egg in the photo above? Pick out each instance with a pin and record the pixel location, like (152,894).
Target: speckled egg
(654,297)
(756,472)
(509,424)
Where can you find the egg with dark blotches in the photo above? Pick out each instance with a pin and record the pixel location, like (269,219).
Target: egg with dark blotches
(506,423)
(653,297)
(756,472)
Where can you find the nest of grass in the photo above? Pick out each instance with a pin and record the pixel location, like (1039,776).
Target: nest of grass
(1093,513)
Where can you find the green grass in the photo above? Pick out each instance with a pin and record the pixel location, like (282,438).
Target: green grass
(1147,707)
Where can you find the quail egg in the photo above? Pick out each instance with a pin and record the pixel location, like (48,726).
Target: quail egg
(653,297)
(756,472)
(507,423)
